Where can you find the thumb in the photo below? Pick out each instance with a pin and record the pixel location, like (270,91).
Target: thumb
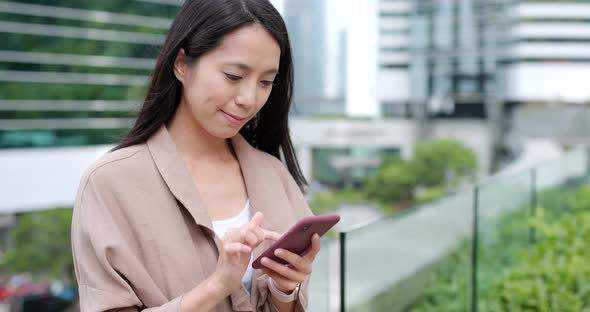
(257,219)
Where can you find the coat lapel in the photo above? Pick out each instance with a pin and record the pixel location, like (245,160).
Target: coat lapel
(264,185)
(177,176)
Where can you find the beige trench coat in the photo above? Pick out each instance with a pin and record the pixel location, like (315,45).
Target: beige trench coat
(141,237)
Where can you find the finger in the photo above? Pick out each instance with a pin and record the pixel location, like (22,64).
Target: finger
(280,281)
(314,249)
(251,239)
(236,248)
(300,263)
(230,234)
(240,235)
(235,235)
(272,235)
(256,230)
(263,233)
(257,219)
(283,270)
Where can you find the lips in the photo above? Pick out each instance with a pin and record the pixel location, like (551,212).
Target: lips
(234,119)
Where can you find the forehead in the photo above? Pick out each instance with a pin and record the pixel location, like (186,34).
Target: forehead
(251,45)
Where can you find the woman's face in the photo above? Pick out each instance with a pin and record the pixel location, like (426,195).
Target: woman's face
(228,85)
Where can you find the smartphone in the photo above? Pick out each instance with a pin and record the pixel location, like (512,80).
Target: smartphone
(298,238)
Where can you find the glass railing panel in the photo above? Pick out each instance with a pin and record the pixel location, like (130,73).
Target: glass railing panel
(323,287)
(504,206)
(391,263)
(553,180)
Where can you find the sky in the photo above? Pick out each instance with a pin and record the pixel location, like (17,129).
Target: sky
(360,91)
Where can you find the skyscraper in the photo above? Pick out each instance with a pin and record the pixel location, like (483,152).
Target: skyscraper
(393,81)
(306,23)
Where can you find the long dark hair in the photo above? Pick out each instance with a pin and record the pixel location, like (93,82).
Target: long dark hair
(199,27)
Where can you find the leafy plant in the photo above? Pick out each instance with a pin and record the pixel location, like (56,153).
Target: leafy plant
(394,181)
(40,244)
(328,200)
(551,275)
(443,163)
(554,275)
(437,167)
(429,194)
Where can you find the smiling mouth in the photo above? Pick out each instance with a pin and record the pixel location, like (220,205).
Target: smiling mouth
(234,119)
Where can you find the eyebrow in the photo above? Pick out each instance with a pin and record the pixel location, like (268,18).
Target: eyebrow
(245,67)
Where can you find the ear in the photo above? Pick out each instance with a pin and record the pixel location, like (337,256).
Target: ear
(180,66)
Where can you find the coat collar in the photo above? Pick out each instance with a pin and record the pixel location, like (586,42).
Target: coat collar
(263,184)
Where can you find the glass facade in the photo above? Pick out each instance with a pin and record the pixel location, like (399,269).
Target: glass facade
(318,56)
(454,64)
(72,73)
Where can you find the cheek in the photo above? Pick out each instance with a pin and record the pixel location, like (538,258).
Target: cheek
(208,95)
(263,96)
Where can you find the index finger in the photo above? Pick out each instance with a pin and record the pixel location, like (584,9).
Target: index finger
(268,234)
(313,250)
(257,219)
(262,233)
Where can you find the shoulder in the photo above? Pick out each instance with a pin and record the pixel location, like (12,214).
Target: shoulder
(273,163)
(115,165)
(289,185)
(107,187)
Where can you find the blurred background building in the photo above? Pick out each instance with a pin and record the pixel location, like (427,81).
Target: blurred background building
(374,78)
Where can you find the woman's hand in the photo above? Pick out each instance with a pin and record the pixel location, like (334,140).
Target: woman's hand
(286,277)
(236,248)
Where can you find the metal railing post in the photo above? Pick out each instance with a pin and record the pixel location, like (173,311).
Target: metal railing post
(342,271)
(474,250)
(533,211)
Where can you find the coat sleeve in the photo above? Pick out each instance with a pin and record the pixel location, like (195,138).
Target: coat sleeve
(103,262)
(266,304)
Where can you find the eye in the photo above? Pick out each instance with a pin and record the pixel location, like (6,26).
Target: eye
(267,83)
(232,77)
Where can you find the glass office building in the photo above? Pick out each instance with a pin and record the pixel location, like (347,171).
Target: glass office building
(72,73)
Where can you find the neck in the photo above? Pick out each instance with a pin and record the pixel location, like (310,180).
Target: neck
(193,142)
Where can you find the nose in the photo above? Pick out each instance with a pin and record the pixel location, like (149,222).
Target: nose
(246,95)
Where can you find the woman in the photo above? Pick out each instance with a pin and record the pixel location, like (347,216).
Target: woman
(171,219)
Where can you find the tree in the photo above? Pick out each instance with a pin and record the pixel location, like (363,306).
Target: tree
(40,244)
(443,163)
(393,181)
(437,167)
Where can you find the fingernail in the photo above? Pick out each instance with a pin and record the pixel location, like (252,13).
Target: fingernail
(278,252)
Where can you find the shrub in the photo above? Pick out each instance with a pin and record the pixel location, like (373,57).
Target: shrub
(438,166)
(326,201)
(40,244)
(554,275)
(392,182)
(429,194)
(443,163)
(551,275)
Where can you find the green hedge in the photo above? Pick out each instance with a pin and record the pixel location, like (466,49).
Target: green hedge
(513,275)
(554,275)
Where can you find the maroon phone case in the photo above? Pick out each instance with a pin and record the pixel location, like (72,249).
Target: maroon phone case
(298,238)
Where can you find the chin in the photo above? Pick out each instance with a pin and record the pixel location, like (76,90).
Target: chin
(225,133)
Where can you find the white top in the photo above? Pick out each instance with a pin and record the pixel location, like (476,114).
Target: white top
(220,226)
